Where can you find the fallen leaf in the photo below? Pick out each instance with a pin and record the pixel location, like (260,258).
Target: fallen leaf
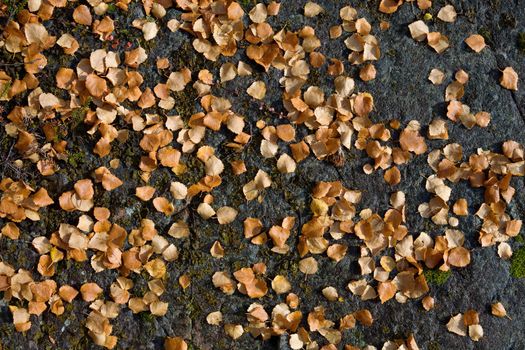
(418,30)
(82,15)
(257,90)
(447,14)
(456,325)
(509,79)
(308,266)
(90,291)
(498,310)
(311,9)
(176,343)
(476,42)
(436,76)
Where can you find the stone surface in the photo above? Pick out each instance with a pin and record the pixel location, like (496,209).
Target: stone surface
(401,90)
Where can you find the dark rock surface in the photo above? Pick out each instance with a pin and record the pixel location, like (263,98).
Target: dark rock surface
(401,90)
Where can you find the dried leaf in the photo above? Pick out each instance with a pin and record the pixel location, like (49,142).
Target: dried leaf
(176,343)
(82,15)
(498,310)
(96,85)
(281,285)
(214,318)
(311,9)
(330,293)
(475,332)
(438,41)
(308,266)
(428,303)
(458,257)
(476,42)
(418,30)
(257,90)
(456,325)
(436,76)
(150,30)
(365,317)
(217,251)
(144,193)
(386,291)
(228,72)
(509,79)
(90,291)
(504,251)
(226,215)
(234,330)
(447,14)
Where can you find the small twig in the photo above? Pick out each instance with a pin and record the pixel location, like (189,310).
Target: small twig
(14,64)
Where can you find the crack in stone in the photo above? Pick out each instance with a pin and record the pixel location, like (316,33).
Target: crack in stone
(515,100)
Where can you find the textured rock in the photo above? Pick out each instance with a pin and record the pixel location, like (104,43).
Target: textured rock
(401,90)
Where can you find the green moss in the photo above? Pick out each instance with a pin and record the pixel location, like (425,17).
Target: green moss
(289,267)
(5,90)
(314,78)
(147,317)
(306,289)
(237,265)
(433,345)
(495,4)
(357,338)
(112,8)
(78,114)
(517,264)
(230,237)
(14,6)
(392,53)
(521,42)
(519,239)
(75,159)
(210,298)
(437,277)
(38,336)
(247,4)
(485,33)
(82,342)
(185,105)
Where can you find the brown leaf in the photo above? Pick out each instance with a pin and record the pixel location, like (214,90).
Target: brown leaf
(509,79)
(458,257)
(10,230)
(447,14)
(392,176)
(365,317)
(84,189)
(82,15)
(90,291)
(389,6)
(410,140)
(95,85)
(176,343)
(386,291)
(498,310)
(476,42)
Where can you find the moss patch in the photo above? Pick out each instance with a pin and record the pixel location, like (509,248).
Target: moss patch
(76,159)
(517,265)
(14,7)
(486,34)
(437,277)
